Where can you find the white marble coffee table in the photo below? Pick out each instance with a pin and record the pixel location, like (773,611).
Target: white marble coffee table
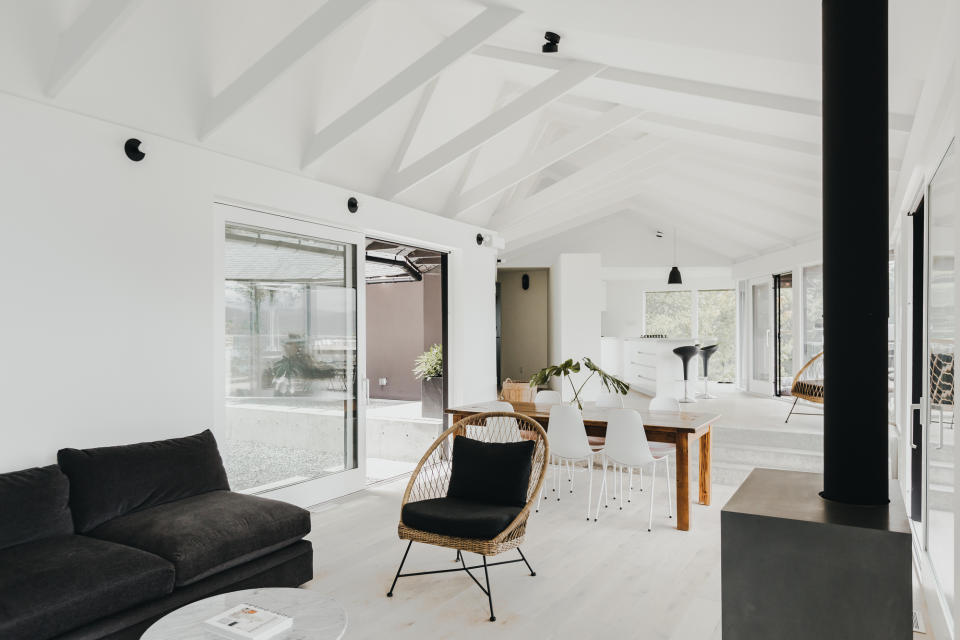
(315,616)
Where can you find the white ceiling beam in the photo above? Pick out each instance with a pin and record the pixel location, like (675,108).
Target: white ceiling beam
(705,209)
(84,38)
(585,205)
(567,145)
(412,127)
(429,66)
(668,216)
(261,74)
(737,95)
(493,125)
(572,185)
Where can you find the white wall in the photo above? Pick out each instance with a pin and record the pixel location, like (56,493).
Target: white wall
(109,289)
(575,300)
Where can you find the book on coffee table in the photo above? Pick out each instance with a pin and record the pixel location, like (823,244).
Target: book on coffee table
(249,622)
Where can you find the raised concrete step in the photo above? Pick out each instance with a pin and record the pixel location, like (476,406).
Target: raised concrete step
(770,457)
(781,436)
(940,497)
(941,472)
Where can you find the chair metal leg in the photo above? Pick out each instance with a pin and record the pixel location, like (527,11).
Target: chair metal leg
(532,572)
(603,487)
(792,407)
(630,484)
(666,460)
(400,568)
(590,492)
(573,473)
(458,556)
(486,575)
(640,471)
(653,490)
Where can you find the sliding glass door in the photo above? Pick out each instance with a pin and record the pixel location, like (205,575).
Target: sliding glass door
(762,341)
(783,352)
(292,358)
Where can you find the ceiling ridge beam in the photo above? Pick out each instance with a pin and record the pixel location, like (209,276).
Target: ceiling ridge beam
(264,72)
(84,38)
(493,125)
(565,146)
(699,88)
(424,69)
(599,171)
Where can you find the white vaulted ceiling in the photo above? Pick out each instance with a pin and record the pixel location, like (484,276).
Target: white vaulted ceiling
(697,115)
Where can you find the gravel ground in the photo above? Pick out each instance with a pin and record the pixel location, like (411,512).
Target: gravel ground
(252,464)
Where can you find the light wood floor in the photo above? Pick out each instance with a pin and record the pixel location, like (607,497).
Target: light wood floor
(610,577)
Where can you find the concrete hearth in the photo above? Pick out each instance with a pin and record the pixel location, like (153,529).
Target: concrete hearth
(795,566)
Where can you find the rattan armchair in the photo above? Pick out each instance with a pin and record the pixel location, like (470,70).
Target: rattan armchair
(431,479)
(808,385)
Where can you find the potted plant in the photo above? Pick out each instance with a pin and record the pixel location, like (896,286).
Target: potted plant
(428,368)
(563,370)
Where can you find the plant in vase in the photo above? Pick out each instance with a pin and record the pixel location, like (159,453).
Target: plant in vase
(428,368)
(570,366)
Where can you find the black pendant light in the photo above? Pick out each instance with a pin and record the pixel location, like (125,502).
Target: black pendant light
(674,277)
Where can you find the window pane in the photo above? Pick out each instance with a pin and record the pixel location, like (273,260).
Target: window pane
(668,313)
(812,311)
(291,340)
(717,311)
(762,332)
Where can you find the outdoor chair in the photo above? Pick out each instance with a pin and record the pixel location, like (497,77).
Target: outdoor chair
(473,491)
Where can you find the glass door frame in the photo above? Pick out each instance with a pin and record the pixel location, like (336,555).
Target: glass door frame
(320,489)
(757,385)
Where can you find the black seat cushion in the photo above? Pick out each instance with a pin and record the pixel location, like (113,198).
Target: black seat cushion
(459,518)
(34,504)
(50,586)
(209,533)
(108,482)
(491,472)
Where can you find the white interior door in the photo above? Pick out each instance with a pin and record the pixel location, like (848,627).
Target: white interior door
(761,336)
(291,355)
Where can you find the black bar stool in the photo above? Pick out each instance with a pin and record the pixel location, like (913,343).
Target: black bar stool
(686,354)
(705,353)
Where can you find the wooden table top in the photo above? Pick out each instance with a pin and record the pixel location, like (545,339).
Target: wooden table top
(593,416)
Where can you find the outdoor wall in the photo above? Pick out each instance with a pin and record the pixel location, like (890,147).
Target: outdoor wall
(395,337)
(109,283)
(524,323)
(575,301)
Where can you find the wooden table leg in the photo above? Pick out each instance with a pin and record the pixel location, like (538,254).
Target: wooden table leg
(705,484)
(683,482)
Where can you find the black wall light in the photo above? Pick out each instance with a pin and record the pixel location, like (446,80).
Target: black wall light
(525,281)
(550,46)
(132,148)
(352,205)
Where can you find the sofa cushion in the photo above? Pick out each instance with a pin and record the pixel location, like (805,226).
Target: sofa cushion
(491,472)
(208,533)
(53,585)
(34,505)
(112,481)
(459,518)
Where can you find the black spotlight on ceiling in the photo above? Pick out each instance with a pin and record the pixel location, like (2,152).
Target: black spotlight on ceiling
(132,148)
(550,46)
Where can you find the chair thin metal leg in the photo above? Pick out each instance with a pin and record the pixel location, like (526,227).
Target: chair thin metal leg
(603,488)
(630,484)
(397,577)
(590,492)
(794,406)
(666,460)
(486,575)
(653,490)
(532,572)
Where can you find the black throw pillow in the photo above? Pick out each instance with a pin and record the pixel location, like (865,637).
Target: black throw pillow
(34,505)
(109,482)
(491,472)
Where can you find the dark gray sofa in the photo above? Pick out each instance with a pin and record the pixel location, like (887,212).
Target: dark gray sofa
(111,539)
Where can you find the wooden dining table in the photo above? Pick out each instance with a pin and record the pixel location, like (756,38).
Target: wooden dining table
(676,427)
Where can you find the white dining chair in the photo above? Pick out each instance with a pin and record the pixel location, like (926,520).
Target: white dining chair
(568,446)
(608,400)
(627,447)
(662,403)
(548,396)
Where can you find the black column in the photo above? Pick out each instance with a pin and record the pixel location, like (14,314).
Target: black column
(855,250)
